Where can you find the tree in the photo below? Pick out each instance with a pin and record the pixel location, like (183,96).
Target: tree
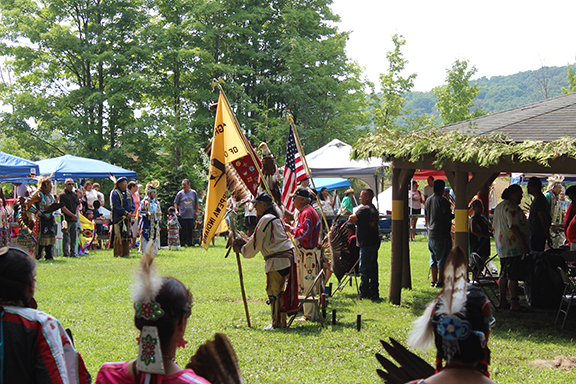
(129,81)
(278,55)
(547,81)
(76,76)
(571,80)
(456,98)
(388,105)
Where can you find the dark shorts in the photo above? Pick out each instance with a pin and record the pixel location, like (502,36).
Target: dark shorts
(414,211)
(512,268)
(250,221)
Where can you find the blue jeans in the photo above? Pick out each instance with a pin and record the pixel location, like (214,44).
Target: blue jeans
(369,271)
(69,239)
(439,251)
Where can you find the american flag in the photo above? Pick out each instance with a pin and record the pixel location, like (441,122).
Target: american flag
(293,172)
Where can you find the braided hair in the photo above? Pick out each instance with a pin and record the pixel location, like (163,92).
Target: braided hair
(175,300)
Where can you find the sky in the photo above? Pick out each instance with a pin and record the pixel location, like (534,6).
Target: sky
(498,37)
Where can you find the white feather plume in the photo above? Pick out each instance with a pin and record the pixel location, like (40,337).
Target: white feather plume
(422,334)
(148,282)
(454,293)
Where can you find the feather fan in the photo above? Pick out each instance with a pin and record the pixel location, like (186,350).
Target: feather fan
(338,241)
(216,361)
(148,282)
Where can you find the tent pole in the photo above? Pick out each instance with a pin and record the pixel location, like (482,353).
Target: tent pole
(376,184)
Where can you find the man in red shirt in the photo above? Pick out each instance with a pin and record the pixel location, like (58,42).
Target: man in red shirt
(307,235)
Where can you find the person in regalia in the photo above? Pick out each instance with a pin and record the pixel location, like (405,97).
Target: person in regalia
(270,239)
(150,215)
(122,210)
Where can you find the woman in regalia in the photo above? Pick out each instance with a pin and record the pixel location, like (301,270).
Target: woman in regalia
(150,216)
(38,204)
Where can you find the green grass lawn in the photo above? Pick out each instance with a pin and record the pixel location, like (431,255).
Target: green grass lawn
(92,296)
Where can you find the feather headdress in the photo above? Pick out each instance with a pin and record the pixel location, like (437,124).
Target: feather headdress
(450,302)
(552,180)
(152,185)
(41,179)
(454,293)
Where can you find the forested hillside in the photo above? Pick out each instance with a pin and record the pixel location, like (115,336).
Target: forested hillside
(499,93)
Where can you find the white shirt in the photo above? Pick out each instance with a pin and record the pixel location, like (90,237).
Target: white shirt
(428,191)
(269,239)
(101,198)
(21,190)
(91,197)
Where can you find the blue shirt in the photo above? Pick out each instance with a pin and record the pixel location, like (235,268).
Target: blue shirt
(186,202)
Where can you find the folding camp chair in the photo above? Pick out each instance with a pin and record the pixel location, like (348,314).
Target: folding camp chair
(484,277)
(352,273)
(311,297)
(567,296)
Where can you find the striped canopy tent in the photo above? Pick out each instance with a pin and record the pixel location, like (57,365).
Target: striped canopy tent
(333,160)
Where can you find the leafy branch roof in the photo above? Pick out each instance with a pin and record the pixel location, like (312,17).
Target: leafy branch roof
(483,150)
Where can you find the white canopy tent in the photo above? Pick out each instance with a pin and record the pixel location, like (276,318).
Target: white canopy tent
(385,201)
(333,160)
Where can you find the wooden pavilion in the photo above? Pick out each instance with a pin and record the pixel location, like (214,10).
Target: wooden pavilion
(536,138)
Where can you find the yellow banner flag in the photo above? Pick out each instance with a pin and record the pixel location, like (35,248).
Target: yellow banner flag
(87,233)
(227,146)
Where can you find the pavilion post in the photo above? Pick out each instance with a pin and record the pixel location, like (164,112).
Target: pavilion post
(461,210)
(395,291)
(404,188)
(399,226)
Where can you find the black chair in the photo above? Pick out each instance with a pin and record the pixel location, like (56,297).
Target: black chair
(567,296)
(484,277)
(352,273)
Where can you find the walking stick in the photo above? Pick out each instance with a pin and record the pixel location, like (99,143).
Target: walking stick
(232,216)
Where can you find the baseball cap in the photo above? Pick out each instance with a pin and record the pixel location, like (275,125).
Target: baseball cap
(263,197)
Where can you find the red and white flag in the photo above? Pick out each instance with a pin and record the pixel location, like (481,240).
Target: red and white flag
(293,172)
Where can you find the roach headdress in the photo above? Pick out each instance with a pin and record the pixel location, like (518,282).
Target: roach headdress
(446,315)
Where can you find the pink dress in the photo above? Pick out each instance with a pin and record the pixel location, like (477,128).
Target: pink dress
(117,373)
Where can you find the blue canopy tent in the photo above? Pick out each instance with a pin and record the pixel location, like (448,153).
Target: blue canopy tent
(331,183)
(16,167)
(522,178)
(75,167)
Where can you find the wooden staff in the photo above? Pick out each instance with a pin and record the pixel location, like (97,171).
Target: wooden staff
(233,215)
